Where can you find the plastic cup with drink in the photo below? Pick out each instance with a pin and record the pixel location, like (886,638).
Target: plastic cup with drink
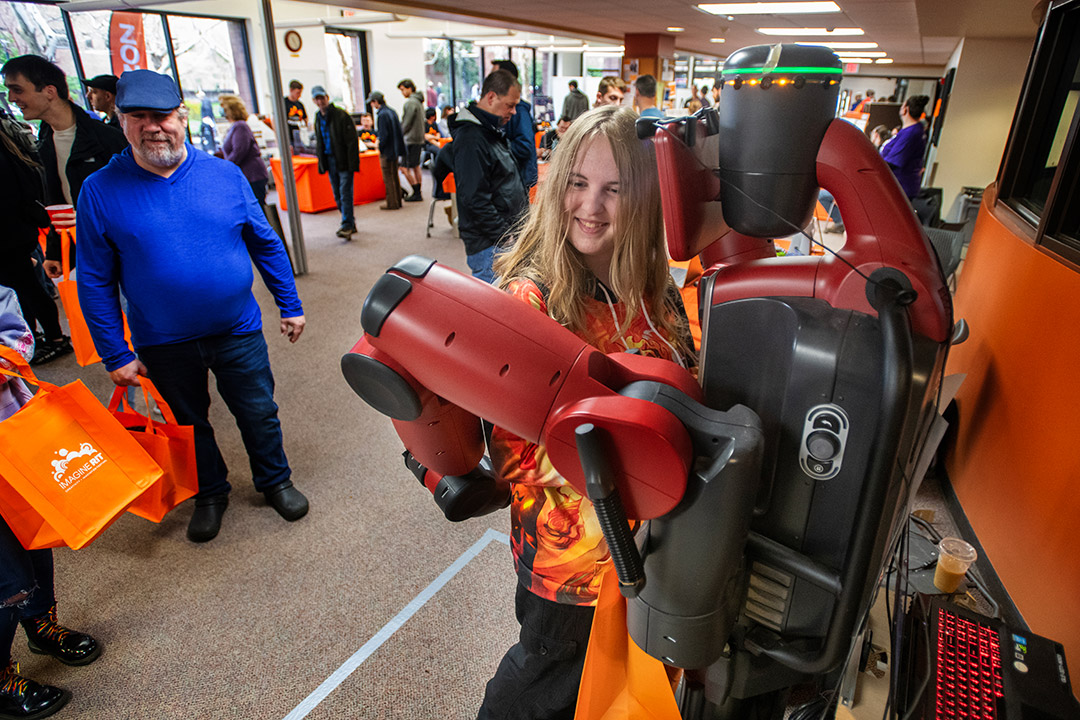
(954,558)
(62,216)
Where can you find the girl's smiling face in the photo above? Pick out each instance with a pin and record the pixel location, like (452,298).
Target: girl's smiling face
(591,201)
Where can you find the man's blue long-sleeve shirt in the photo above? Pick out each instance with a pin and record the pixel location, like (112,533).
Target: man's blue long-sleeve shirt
(522,137)
(180,248)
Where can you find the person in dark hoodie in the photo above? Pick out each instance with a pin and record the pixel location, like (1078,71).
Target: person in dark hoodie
(490,195)
(391,148)
(69,137)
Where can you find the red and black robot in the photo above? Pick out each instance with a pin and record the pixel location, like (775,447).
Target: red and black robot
(775,486)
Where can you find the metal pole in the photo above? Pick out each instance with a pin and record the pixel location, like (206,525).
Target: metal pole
(281,128)
(78,60)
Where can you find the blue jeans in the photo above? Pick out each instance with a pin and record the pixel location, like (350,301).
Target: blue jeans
(342,185)
(480,264)
(242,369)
(22,572)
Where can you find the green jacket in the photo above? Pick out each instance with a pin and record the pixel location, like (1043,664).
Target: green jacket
(412,120)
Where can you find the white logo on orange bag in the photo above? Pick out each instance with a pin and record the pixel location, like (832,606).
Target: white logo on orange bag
(68,477)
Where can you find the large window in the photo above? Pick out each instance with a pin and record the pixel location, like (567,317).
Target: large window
(207,56)
(1040,177)
(467,77)
(451,72)
(140,41)
(347,82)
(27,29)
(523,57)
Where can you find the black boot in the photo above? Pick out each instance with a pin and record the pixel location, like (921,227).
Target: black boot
(206,520)
(23,699)
(416,196)
(46,636)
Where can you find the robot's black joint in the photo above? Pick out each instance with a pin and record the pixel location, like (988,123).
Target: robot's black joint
(416,266)
(388,291)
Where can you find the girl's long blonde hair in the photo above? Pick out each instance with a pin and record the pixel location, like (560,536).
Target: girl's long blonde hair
(543,253)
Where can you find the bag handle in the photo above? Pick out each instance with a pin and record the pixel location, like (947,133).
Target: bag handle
(67,237)
(149,391)
(22,369)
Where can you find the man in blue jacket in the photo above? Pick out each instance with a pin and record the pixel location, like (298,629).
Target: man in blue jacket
(521,132)
(176,231)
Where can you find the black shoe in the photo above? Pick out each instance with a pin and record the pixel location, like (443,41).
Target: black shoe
(23,699)
(206,520)
(346,232)
(46,636)
(287,500)
(49,350)
(415,197)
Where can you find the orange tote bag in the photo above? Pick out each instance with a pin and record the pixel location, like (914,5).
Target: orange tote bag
(620,680)
(81,340)
(68,469)
(172,447)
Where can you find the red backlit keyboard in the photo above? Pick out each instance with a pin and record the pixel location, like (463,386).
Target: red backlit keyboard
(968,674)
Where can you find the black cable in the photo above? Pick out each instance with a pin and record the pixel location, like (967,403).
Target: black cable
(917,697)
(796,228)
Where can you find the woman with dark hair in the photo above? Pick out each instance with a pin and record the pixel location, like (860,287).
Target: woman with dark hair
(240,147)
(904,153)
(590,255)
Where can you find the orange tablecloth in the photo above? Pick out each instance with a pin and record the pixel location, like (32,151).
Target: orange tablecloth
(313,193)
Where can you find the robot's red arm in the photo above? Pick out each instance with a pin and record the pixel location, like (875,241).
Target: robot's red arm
(882,232)
(442,349)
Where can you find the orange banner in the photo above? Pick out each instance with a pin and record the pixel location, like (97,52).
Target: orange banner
(127,46)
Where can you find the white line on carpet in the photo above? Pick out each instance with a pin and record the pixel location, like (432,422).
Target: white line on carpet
(349,666)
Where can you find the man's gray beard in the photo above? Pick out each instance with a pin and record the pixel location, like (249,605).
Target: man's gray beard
(162,157)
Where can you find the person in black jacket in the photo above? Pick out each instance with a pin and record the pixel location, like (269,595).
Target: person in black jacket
(391,147)
(490,195)
(338,149)
(20,204)
(68,137)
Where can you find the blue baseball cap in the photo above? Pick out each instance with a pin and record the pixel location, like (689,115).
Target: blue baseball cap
(147,90)
(317,91)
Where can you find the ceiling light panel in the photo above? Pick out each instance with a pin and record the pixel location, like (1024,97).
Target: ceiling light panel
(811,32)
(843,45)
(769,8)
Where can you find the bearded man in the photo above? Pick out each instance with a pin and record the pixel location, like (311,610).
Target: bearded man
(176,230)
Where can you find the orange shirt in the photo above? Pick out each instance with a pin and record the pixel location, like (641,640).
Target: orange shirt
(559,549)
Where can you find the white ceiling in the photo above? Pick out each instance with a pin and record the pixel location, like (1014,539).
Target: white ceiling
(912,32)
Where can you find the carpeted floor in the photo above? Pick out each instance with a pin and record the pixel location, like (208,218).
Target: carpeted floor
(372,606)
(249,625)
